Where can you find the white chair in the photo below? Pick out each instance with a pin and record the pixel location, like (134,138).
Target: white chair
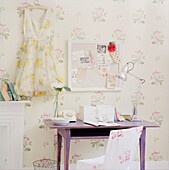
(119,154)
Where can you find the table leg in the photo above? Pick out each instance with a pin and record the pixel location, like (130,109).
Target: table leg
(142,149)
(66,149)
(59,146)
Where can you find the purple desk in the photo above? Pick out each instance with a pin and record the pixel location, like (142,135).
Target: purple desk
(79,130)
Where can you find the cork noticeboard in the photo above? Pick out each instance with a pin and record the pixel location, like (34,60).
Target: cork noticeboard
(92,68)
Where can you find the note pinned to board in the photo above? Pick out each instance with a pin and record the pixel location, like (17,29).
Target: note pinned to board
(77,54)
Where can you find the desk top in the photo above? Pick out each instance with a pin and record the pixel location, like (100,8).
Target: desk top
(81,125)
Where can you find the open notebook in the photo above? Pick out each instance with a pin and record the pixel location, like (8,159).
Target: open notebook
(101,123)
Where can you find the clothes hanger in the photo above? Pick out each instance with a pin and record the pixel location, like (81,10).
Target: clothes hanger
(36,5)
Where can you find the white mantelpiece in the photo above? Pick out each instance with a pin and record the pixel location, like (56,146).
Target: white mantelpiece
(11,133)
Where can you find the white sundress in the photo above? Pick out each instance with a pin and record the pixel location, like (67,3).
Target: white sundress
(36,68)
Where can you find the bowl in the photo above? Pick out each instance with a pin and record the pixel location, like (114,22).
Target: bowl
(60,121)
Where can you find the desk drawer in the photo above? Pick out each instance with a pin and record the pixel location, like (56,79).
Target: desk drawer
(94,133)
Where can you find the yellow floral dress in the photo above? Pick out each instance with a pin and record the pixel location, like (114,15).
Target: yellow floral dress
(36,67)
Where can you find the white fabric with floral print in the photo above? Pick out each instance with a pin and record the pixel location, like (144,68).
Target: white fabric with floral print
(37,65)
(119,154)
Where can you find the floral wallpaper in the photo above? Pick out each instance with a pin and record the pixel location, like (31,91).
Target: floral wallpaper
(141,29)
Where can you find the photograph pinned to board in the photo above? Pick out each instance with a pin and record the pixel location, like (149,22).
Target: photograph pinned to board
(91,67)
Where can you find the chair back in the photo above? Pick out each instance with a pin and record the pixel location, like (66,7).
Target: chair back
(121,148)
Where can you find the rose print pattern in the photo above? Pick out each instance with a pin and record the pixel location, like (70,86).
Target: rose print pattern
(119,35)
(97,166)
(4,32)
(42,124)
(138,57)
(59,12)
(124,157)
(155,156)
(139,17)
(144,49)
(75,157)
(78,34)
(157,38)
(59,55)
(117,136)
(157,118)
(3,74)
(20,10)
(138,98)
(97,98)
(157,78)
(45,144)
(27,143)
(99,15)
(122,141)
(97,143)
